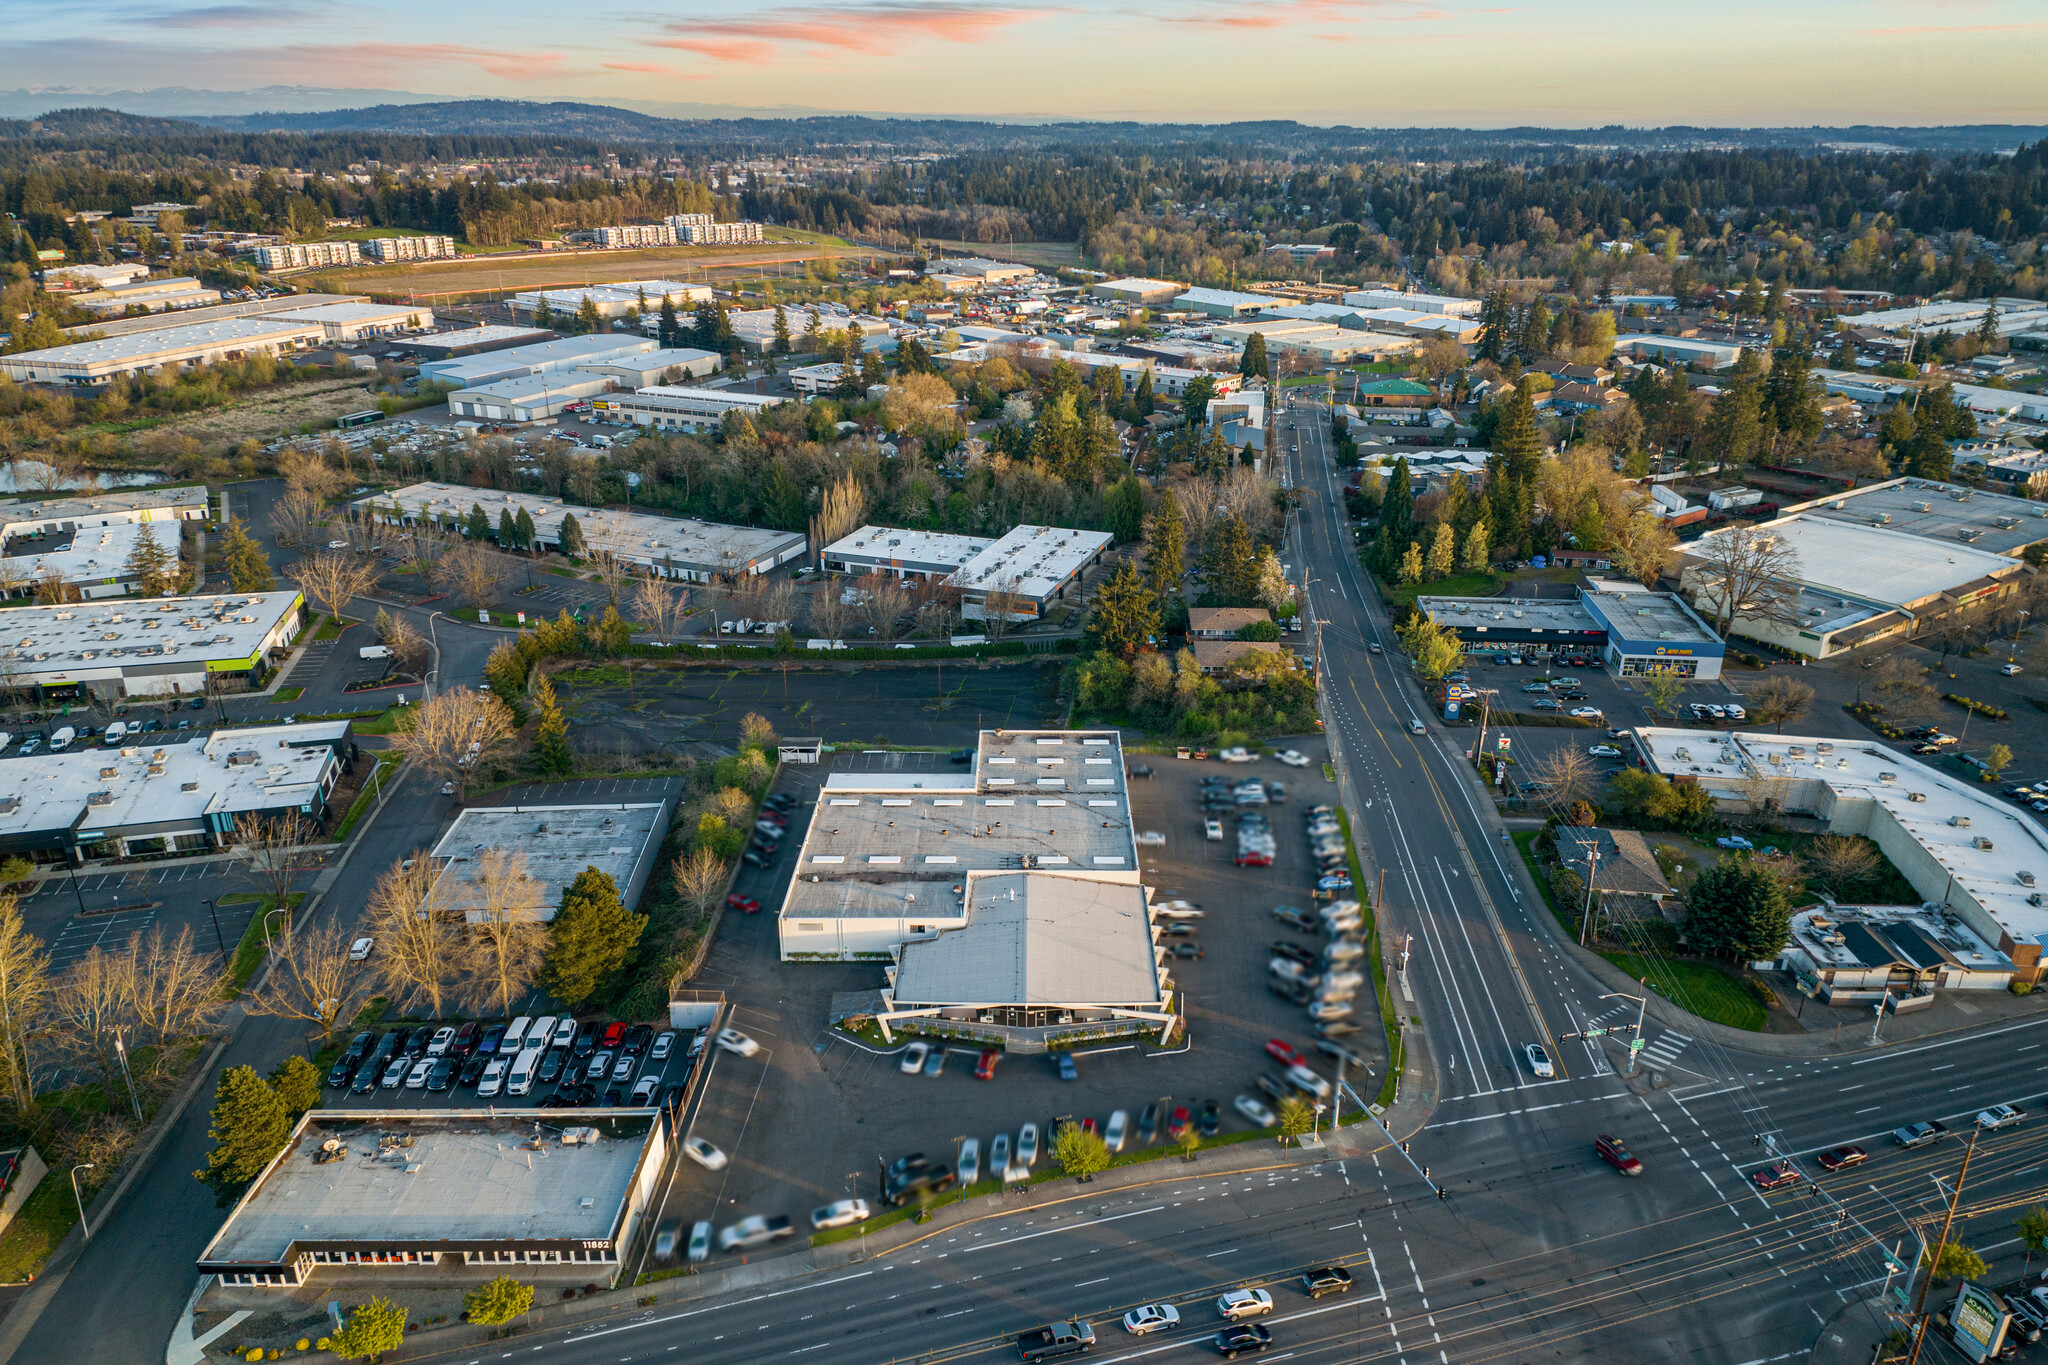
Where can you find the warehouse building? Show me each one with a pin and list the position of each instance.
(1029, 571)
(390, 249)
(1712, 355)
(351, 322)
(901, 553)
(667, 547)
(469, 341)
(529, 398)
(1967, 854)
(981, 268)
(1137, 292)
(54, 515)
(613, 300)
(663, 365)
(622, 841)
(562, 1195)
(1447, 305)
(754, 329)
(219, 312)
(1225, 303)
(679, 408)
(178, 796)
(79, 538)
(152, 647)
(95, 560)
(94, 276)
(157, 296)
(546, 357)
(307, 255)
(88, 364)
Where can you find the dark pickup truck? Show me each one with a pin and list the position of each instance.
(1055, 1340)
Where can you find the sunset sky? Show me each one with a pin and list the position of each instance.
(1372, 62)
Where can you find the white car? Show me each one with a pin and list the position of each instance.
(1118, 1127)
(1539, 1061)
(337, 545)
(732, 1040)
(1027, 1146)
(1251, 1108)
(840, 1213)
(1153, 1317)
(416, 1079)
(1604, 751)
(1586, 712)
(493, 1079)
(442, 1038)
(1238, 755)
(1301, 1078)
(913, 1058)
(1293, 758)
(1152, 838)
(1178, 910)
(1212, 830)
(664, 1043)
(703, 1153)
(700, 1242)
(2010, 670)
(1238, 1304)
(970, 1161)
(360, 950)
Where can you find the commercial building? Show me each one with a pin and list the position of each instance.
(58, 514)
(1944, 513)
(662, 365)
(1652, 632)
(1446, 304)
(546, 357)
(754, 329)
(529, 398)
(680, 408)
(1857, 955)
(1859, 582)
(219, 312)
(816, 379)
(180, 795)
(94, 276)
(667, 547)
(613, 300)
(1488, 626)
(348, 322)
(307, 255)
(88, 364)
(469, 341)
(423, 1191)
(1966, 853)
(903, 554)
(980, 268)
(95, 559)
(389, 249)
(1713, 355)
(1136, 291)
(1240, 418)
(157, 296)
(557, 843)
(1022, 575)
(151, 647)
(1224, 303)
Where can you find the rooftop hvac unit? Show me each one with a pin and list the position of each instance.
(1959, 821)
(1983, 845)
(2026, 878)
(1888, 779)
(1916, 796)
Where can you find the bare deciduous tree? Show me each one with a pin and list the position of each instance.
(1566, 774)
(698, 878)
(175, 989)
(474, 570)
(88, 1005)
(508, 937)
(457, 732)
(24, 998)
(420, 945)
(332, 579)
(1001, 603)
(884, 600)
(295, 515)
(604, 555)
(312, 978)
(1902, 688)
(828, 612)
(1746, 571)
(1779, 698)
(777, 600)
(657, 604)
(273, 852)
(839, 515)
(1843, 861)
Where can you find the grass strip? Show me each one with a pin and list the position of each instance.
(1397, 1054)
(360, 807)
(249, 952)
(287, 694)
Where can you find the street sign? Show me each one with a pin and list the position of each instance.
(1636, 1045)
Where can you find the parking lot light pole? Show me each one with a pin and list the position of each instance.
(222, 943)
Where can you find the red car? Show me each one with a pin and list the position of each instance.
(1284, 1053)
(736, 901)
(1090, 1127)
(1178, 1123)
(614, 1034)
(1253, 860)
(1616, 1154)
(1776, 1174)
(1840, 1158)
(985, 1069)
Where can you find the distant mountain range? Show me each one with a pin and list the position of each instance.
(712, 125)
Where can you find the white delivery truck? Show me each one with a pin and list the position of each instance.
(116, 733)
(61, 741)
(374, 652)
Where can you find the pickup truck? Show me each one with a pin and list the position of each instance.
(1055, 1340)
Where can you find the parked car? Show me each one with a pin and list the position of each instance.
(913, 1058)
(1258, 1114)
(756, 1231)
(985, 1065)
(1293, 758)
(1604, 751)
(840, 1213)
(1733, 841)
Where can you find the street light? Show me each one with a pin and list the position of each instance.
(284, 910)
(83, 1224)
(222, 943)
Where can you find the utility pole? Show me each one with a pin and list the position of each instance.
(1934, 1257)
(1592, 874)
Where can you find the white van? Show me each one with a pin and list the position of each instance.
(116, 733)
(515, 1036)
(520, 1079)
(540, 1035)
(61, 741)
(374, 652)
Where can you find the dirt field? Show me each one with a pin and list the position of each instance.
(1046, 255)
(496, 275)
(271, 415)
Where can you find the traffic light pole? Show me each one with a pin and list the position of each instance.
(1934, 1257)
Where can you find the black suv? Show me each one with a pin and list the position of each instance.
(1326, 1279)
(1240, 1337)
(637, 1039)
(916, 1181)
(586, 1038)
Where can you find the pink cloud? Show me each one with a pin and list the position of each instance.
(1279, 14)
(363, 58)
(869, 30)
(648, 67)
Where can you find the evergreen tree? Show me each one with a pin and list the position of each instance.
(782, 342)
(1143, 401)
(587, 319)
(1477, 551)
(1517, 441)
(1124, 509)
(153, 570)
(527, 532)
(589, 939)
(784, 499)
(1494, 319)
(477, 526)
(1126, 611)
(704, 334)
(1987, 330)
(543, 316)
(248, 567)
(249, 1127)
(871, 371)
(1166, 537)
(571, 535)
(1751, 304)
(1735, 425)
(1774, 298)
(1230, 563)
(670, 330)
(508, 530)
(1397, 503)
(814, 333)
(1411, 563)
(1790, 404)
(1442, 551)
(1253, 363)
(296, 1083)
(551, 741)
(1194, 402)
(1738, 910)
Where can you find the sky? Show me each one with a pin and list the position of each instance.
(1387, 63)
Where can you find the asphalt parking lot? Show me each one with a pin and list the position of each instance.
(673, 1070)
(807, 1119)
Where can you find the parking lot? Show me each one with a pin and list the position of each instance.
(810, 1118)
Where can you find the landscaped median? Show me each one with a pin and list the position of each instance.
(1397, 1054)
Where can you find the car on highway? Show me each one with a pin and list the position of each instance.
(839, 1213)
(1539, 1061)
(1258, 1114)
(1615, 1153)
(1241, 1337)
(1776, 1174)
(732, 1040)
(1325, 1279)
(1841, 1158)
(1293, 758)
(1919, 1134)
(1239, 1304)
(1152, 838)
(1999, 1116)
(1152, 1317)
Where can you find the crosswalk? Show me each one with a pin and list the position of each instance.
(1662, 1051)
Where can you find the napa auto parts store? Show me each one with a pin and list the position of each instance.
(1633, 632)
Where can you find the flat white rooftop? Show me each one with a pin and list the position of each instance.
(558, 841)
(1947, 513)
(97, 553)
(171, 342)
(1033, 940)
(1031, 561)
(123, 504)
(44, 640)
(1878, 563)
(346, 313)
(929, 551)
